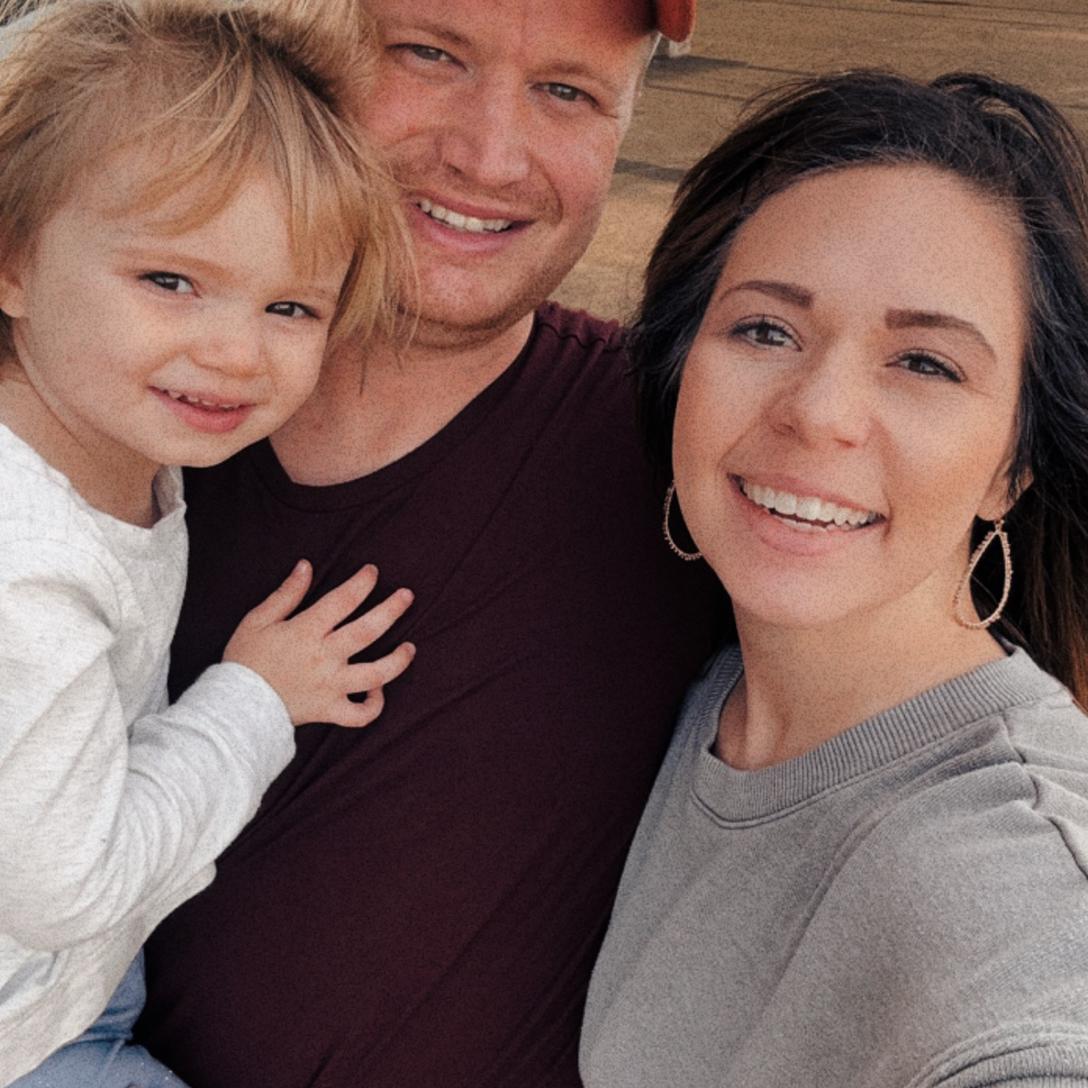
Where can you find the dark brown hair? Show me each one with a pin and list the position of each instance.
(1011, 146)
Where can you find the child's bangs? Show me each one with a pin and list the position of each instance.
(177, 105)
(238, 125)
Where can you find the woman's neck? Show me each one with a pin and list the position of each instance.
(802, 686)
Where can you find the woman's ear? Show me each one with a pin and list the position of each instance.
(1004, 493)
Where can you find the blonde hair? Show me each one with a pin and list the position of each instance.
(214, 91)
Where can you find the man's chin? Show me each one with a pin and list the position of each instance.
(452, 309)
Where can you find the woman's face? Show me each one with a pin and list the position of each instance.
(849, 403)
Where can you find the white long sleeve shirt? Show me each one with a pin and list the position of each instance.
(113, 805)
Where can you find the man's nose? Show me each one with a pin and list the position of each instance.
(489, 141)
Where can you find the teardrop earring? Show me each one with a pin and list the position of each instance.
(964, 588)
(677, 550)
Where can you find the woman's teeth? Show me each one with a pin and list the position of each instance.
(458, 221)
(807, 508)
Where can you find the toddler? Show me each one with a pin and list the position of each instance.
(185, 219)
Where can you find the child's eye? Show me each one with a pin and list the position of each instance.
(170, 281)
(764, 333)
(290, 309)
(929, 366)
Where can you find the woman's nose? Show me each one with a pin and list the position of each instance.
(828, 400)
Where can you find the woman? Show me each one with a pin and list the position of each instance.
(864, 340)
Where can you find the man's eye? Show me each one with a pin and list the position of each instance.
(566, 93)
(170, 281)
(764, 333)
(428, 53)
(289, 309)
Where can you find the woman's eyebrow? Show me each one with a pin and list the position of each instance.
(933, 319)
(786, 292)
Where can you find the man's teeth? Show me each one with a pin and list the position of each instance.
(458, 221)
(806, 507)
(201, 403)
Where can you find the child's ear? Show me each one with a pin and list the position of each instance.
(12, 295)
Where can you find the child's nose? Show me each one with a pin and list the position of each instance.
(230, 347)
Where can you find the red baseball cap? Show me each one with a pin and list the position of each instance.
(675, 18)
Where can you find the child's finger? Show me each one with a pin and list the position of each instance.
(356, 715)
(326, 612)
(371, 625)
(370, 675)
(282, 601)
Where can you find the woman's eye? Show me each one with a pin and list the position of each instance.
(170, 281)
(289, 309)
(929, 366)
(764, 334)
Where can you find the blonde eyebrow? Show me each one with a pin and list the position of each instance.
(166, 259)
(563, 69)
(438, 30)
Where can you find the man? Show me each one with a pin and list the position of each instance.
(419, 904)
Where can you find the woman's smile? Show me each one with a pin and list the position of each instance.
(805, 511)
(799, 523)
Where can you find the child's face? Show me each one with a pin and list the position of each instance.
(155, 347)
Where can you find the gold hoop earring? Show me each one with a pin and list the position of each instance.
(964, 588)
(676, 549)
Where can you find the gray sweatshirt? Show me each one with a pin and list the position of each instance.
(905, 905)
(112, 805)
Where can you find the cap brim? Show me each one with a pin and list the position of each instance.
(675, 18)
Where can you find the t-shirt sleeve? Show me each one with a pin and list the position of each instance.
(99, 820)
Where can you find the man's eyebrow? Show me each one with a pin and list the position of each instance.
(933, 319)
(436, 29)
(786, 292)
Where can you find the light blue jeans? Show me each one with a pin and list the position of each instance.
(103, 1056)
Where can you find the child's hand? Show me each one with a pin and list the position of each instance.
(306, 660)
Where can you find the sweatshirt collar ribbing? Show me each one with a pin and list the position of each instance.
(734, 795)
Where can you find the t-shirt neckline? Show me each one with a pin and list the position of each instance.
(405, 469)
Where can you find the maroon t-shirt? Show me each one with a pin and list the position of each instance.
(418, 904)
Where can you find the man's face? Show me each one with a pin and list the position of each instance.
(502, 120)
